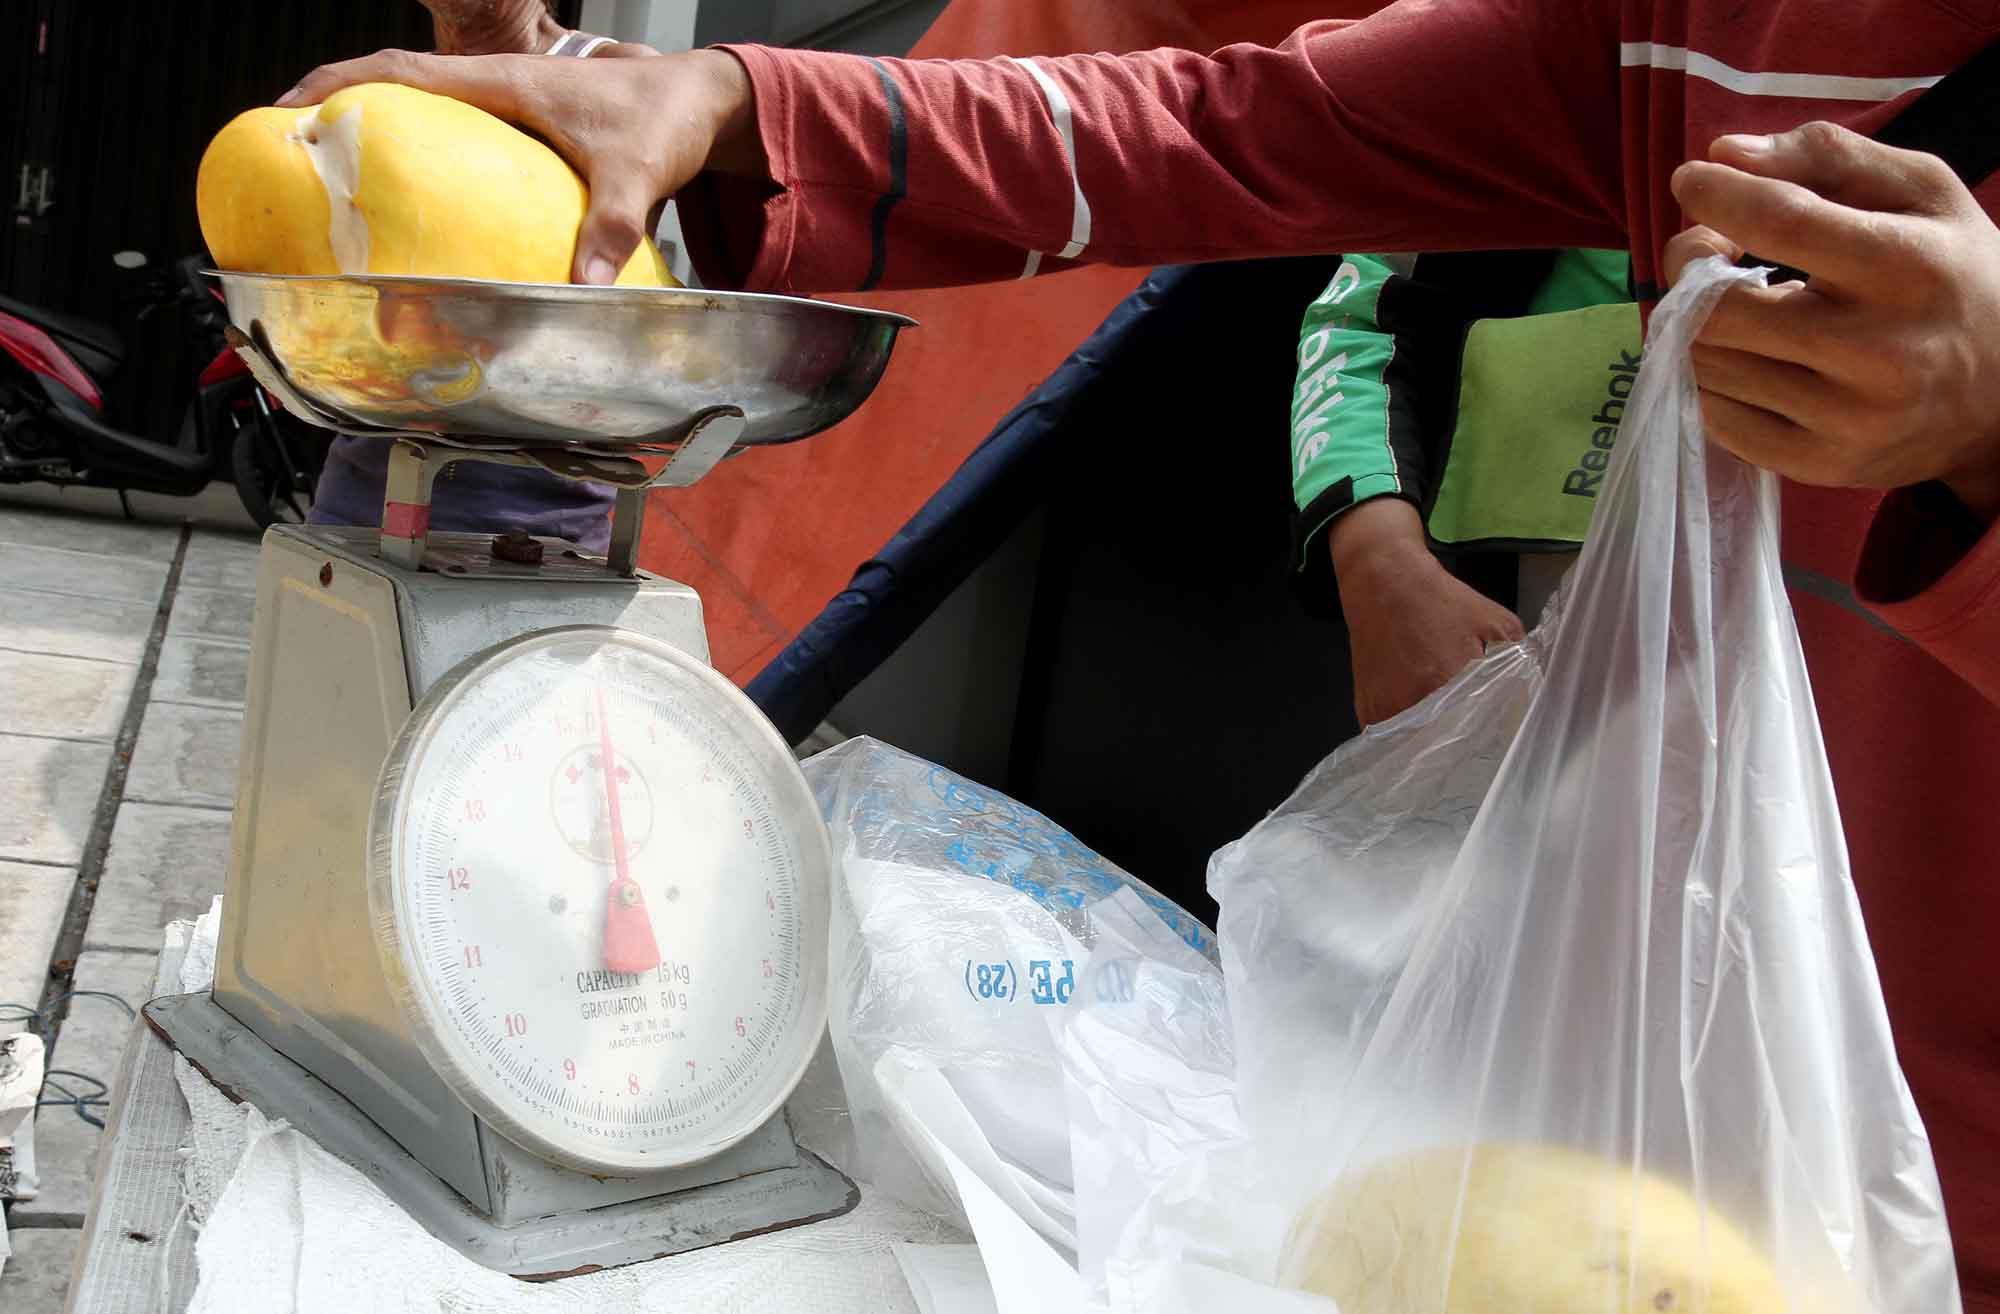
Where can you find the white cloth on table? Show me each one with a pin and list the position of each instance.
(286, 1228)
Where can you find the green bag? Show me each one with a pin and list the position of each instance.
(1539, 403)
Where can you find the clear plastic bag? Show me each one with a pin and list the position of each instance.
(962, 923)
(1553, 994)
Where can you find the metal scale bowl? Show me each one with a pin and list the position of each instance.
(526, 907)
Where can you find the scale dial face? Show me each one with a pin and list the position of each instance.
(600, 888)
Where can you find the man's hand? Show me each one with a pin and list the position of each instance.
(636, 129)
(1882, 371)
(1411, 626)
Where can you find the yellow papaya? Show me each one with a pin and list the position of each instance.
(1523, 1229)
(386, 179)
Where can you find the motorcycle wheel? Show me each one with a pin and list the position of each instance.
(272, 492)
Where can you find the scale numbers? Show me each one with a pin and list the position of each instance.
(603, 899)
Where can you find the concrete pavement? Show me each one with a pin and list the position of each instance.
(123, 652)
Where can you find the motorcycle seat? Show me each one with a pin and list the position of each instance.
(96, 348)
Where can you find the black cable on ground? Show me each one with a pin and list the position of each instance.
(42, 1023)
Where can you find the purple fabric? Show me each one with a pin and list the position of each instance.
(469, 497)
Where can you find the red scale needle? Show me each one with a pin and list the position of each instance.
(629, 943)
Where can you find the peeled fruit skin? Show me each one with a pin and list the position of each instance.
(1543, 1230)
(406, 182)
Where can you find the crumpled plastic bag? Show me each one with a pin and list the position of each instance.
(961, 924)
(1553, 993)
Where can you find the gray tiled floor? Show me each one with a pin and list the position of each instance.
(37, 1277)
(82, 596)
(216, 561)
(32, 902)
(166, 863)
(81, 574)
(215, 507)
(212, 614)
(186, 755)
(51, 787)
(63, 697)
(37, 526)
(206, 672)
(101, 628)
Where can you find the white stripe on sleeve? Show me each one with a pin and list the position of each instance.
(1804, 86)
(1059, 111)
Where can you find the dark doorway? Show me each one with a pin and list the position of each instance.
(105, 109)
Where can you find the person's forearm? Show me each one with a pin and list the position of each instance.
(896, 173)
(883, 173)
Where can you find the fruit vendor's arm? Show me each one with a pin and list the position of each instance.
(1430, 125)
(891, 173)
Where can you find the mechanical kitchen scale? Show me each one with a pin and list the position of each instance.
(526, 910)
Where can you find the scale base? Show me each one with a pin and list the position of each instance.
(561, 1245)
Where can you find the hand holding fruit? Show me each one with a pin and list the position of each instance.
(383, 179)
(636, 129)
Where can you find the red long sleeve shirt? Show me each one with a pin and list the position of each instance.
(1455, 124)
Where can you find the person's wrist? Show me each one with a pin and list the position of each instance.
(735, 145)
(1385, 534)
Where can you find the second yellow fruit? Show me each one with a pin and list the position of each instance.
(1524, 1229)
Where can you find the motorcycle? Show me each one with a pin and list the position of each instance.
(57, 376)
